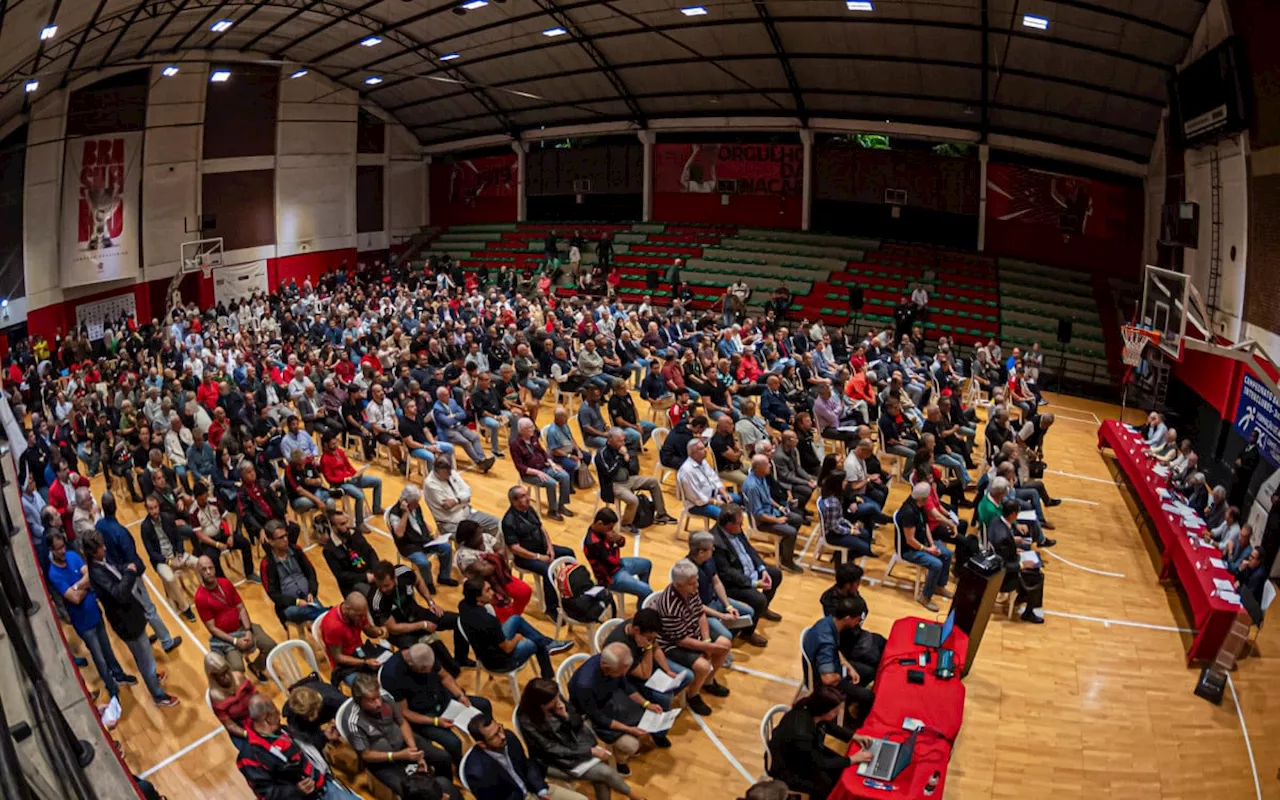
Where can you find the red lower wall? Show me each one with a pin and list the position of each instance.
(308, 265)
(56, 320)
(745, 210)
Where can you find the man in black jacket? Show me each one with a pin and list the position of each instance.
(166, 548)
(258, 503)
(676, 448)
(1023, 578)
(618, 470)
(349, 555)
(289, 578)
(124, 613)
(745, 576)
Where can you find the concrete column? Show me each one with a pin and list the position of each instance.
(646, 205)
(806, 198)
(984, 153)
(522, 203)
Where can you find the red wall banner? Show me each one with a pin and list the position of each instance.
(474, 190)
(776, 169)
(1064, 220)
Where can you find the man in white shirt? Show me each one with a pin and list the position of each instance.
(700, 485)
(449, 498)
(176, 441)
(381, 416)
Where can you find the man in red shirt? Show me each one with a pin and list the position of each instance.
(217, 428)
(342, 633)
(337, 470)
(207, 393)
(231, 632)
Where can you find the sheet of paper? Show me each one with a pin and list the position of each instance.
(596, 591)
(1219, 563)
(736, 623)
(1029, 558)
(384, 656)
(1163, 492)
(1223, 585)
(660, 681)
(582, 768)
(656, 723)
(1230, 597)
(1026, 516)
(439, 540)
(1162, 471)
(459, 714)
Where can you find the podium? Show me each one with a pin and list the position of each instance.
(975, 598)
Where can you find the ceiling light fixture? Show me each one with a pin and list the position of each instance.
(31, 86)
(474, 4)
(298, 74)
(694, 11)
(554, 32)
(449, 57)
(859, 5)
(372, 41)
(220, 76)
(1039, 23)
(373, 80)
(169, 71)
(48, 32)
(221, 26)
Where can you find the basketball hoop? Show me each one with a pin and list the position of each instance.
(206, 266)
(1135, 342)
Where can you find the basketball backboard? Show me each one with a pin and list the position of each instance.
(201, 255)
(1165, 300)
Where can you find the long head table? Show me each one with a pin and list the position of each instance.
(1185, 555)
(938, 703)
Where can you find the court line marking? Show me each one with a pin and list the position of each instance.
(1077, 410)
(164, 601)
(1078, 500)
(1081, 477)
(769, 676)
(1071, 563)
(724, 751)
(184, 751)
(1248, 745)
(137, 521)
(1057, 417)
(1107, 623)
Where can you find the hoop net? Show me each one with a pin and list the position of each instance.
(1135, 341)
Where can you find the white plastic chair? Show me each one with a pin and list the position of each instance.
(283, 663)
(566, 669)
(462, 771)
(806, 668)
(766, 728)
(512, 676)
(650, 601)
(897, 558)
(563, 620)
(315, 628)
(605, 631)
(659, 438)
(686, 517)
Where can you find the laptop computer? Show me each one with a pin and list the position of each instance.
(888, 759)
(931, 634)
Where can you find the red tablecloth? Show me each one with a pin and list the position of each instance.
(1184, 556)
(938, 703)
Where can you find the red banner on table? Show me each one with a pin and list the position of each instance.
(776, 169)
(1076, 206)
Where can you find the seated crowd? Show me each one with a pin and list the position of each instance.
(235, 429)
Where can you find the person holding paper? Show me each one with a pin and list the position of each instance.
(388, 745)
(498, 769)
(342, 636)
(686, 637)
(1022, 575)
(414, 539)
(601, 691)
(603, 547)
(640, 635)
(560, 740)
(429, 697)
(397, 603)
(722, 611)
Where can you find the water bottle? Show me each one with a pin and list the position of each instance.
(932, 785)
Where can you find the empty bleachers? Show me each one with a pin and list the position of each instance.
(1033, 297)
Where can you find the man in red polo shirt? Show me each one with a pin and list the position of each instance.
(342, 633)
(231, 632)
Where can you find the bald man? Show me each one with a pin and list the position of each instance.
(342, 633)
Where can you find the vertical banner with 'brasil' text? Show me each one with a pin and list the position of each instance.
(100, 208)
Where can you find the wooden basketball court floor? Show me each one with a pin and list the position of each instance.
(1095, 703)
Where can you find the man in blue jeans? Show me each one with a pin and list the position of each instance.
(502, 646)
(602, 547)
(289, 578)
(529, 543)
(69, 576)
(916, 545)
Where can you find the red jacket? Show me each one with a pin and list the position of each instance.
(59, 500)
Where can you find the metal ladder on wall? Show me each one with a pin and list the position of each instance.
(1215, 231)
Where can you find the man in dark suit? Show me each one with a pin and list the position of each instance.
(745, 576)
(1024, 579)
(114, 588)
(498, 769)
